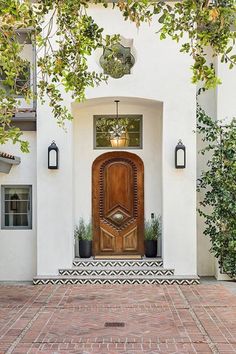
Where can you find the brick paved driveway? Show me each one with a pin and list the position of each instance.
(156, 319)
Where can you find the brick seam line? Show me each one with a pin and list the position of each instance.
(198, 323)
(20, 311)
(34, 318)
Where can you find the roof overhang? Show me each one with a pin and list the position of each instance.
(7, 161)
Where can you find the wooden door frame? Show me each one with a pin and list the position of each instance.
(96, 170)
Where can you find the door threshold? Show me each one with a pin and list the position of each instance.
(126, 256)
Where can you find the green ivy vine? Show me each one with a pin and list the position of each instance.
(218, 206)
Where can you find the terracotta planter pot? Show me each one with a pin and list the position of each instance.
(151, 248)
(85, 248)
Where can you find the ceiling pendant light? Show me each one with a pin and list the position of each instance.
(118, 134)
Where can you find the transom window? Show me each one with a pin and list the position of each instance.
(16, 207)
(124, 132)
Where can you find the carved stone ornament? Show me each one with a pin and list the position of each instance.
(117, 61)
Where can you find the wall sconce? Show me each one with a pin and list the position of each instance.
(53, 156)
(180, 155)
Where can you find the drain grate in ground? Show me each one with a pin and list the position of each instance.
(114, 324)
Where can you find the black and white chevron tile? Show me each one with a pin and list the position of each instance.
(93, 281)
(152, 262)
(116, 272)
(89, 271)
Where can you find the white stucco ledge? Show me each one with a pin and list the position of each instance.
(7, 161)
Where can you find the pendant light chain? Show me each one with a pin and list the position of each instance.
(117, 131)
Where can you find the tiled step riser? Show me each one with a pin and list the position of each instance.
(90, 271)
(115, 281)
(112, 272)
(121, 263)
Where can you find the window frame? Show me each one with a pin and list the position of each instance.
(3, 188)
(97, 116)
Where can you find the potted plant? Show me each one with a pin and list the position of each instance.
(83, 233)
(152, 230)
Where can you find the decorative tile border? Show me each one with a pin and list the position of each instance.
(119, 263)
(58, 281)
(116, 272)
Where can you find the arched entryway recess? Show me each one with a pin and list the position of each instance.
(118, 204)
(85, 153)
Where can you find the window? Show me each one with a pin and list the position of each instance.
(131, 132)
(16, 207)
(22, 82)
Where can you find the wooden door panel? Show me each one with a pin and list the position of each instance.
(118, 186)
(117, 198)
(107, 241)
(130, 241)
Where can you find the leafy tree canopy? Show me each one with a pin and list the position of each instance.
(203, 22)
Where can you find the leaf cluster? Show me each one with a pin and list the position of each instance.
(83, 231)
(152, 228)
(197, 24)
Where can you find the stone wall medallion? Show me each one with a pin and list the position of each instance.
(117, 61)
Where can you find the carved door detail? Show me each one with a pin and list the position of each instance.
(118, 204)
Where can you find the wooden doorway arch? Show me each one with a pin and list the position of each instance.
(118, 204)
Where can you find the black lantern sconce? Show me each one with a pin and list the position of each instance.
(53, 156)
(180, 155)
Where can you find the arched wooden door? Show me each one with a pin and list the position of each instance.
(118, 204)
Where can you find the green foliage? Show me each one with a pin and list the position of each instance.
(152, 228)
(203, 23)
(218, 206)
(200, 23)
(62, 62)
(83, 231)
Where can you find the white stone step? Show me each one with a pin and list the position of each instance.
(116, 271)
(86, 279)
(144, 262)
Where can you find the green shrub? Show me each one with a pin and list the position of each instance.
(83, 231)
(152, 228)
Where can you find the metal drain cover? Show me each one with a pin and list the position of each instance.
(114, 324)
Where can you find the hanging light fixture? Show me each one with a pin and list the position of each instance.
(118, 134)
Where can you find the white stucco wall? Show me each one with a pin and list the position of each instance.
(55, 196)
(162, 74)
(18, 247)
(205, 259)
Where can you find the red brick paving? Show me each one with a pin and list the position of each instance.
(158, 319)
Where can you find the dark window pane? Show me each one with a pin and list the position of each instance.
(17, 193)
(12, 220)
(103, 140)
(7, 220)
(15, 206)
(134, 139)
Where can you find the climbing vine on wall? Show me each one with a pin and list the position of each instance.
(64, 60)
(218, 206)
